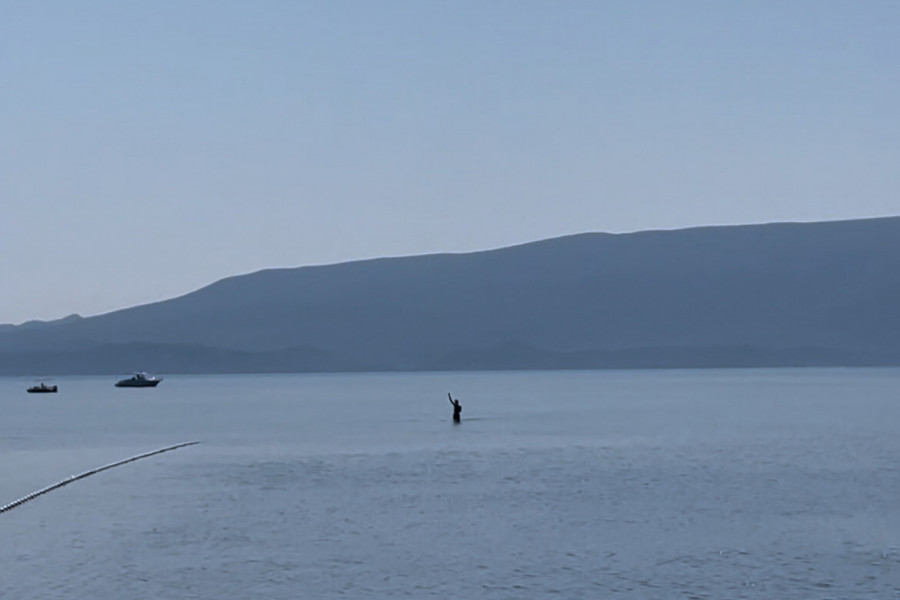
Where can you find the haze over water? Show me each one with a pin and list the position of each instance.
(593, 484)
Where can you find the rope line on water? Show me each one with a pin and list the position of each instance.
(60, 484)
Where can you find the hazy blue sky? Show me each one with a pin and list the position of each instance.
(150, 148)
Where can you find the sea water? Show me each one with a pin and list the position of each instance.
(591, 484)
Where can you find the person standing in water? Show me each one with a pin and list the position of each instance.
(457, 408)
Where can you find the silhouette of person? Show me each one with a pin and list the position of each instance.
(457, 408)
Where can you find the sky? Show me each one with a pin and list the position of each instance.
(148, 149)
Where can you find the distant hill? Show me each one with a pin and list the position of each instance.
(32, 324)
(781, 294)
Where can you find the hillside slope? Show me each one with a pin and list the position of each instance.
(790, 293)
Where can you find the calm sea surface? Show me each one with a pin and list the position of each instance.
(617, 484)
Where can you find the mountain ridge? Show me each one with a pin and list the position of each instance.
(794, 291)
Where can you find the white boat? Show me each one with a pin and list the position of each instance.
(139, 380)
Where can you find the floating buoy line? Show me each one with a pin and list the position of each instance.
(58, 485)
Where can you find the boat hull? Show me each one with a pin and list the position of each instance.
(138, 384)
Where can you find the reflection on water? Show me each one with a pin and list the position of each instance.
(648, 484)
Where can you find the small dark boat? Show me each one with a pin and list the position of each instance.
(42, 388)
(139, 380)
